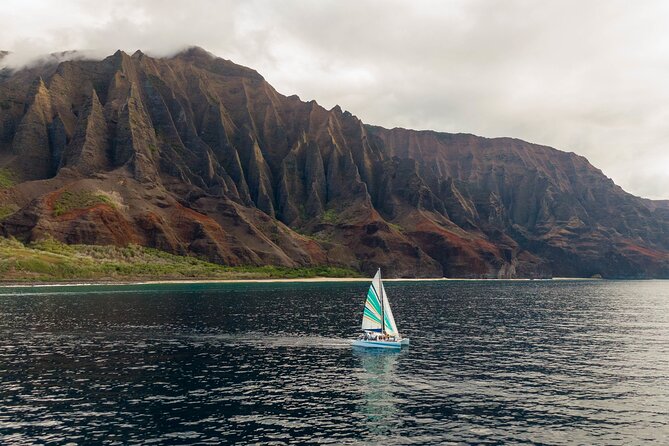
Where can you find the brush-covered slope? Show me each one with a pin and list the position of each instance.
(197, 155)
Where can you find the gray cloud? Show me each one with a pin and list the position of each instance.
(588, 77)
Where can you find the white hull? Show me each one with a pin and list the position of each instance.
(380, 344)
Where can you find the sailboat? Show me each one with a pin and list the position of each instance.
(379, 329)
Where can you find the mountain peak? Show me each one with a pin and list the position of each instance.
(204, 59)
(119, 53)
(195, 52)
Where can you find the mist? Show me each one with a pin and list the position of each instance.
(588, 77)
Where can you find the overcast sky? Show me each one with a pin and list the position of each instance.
(590, 77)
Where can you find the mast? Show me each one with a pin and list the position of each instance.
(383, 319)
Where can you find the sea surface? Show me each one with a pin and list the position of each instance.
(490, 362)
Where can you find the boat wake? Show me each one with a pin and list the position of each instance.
(280, 341)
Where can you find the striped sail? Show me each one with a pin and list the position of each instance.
(371, 317)
(391, 326)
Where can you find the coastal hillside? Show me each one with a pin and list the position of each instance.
(51, 261)
(195, 155)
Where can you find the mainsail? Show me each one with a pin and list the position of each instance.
(377, 315)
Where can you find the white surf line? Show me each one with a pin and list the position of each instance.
(304, 280)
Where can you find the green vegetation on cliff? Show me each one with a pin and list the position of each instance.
(6, 210)
(69, 201)
(6, 178)
(330, 216)
(52, 261)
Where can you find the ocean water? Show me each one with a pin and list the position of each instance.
(490, 362)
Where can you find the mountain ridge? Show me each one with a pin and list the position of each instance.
(198, 155)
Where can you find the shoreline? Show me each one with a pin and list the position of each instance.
(241, 281)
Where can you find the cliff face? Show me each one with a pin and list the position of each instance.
(197, 155)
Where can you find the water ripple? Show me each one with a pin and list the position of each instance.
(490, 362)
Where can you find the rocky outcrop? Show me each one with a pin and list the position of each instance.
(196, 155)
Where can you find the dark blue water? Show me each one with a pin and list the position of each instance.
(565, 362)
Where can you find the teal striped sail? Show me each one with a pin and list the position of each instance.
(391, 326)
(378, 307)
